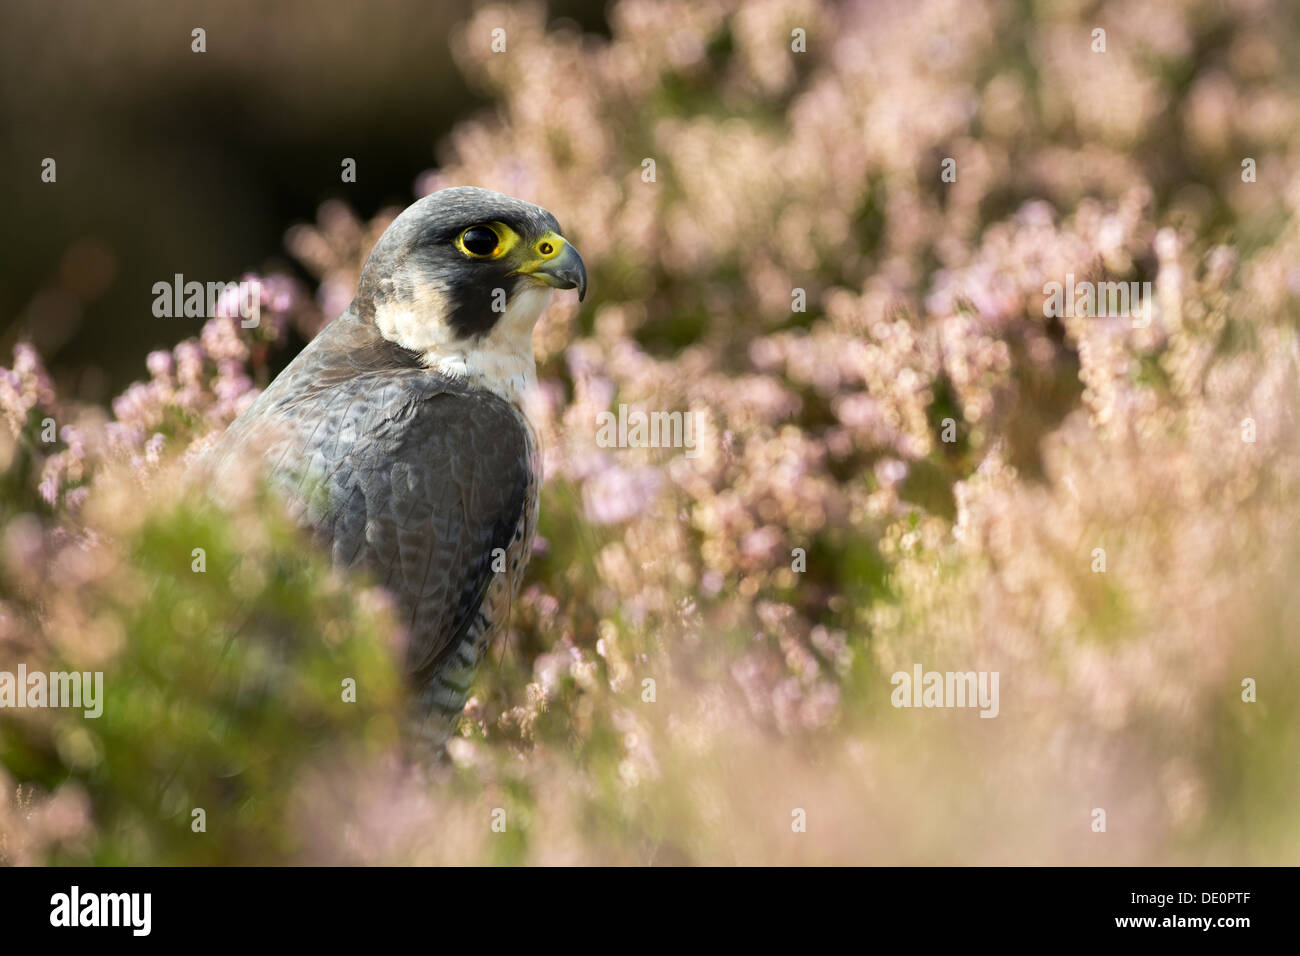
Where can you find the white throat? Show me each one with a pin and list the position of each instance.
(501, 361)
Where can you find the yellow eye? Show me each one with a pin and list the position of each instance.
(479, 242)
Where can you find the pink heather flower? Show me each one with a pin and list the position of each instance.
(618, 494)
(160, 364)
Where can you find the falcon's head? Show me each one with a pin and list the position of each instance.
(461, 277)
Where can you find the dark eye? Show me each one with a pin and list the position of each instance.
(479, 241)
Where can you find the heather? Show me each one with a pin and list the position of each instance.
(901, 460)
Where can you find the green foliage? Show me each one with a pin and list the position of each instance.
(228, 686)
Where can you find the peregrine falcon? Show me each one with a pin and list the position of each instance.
(398, 436)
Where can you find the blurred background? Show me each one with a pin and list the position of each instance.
(171, 161)
(904, 460)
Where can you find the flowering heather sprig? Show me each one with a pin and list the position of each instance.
(24, 388)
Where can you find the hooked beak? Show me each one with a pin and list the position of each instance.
(558, 266)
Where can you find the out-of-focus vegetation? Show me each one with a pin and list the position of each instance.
(176, 161)
(672, 689)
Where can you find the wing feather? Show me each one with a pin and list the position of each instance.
(413, 477)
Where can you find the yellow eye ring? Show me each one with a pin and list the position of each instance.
(480, 242)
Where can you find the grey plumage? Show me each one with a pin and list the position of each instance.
(413, 476)
(419, 475)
